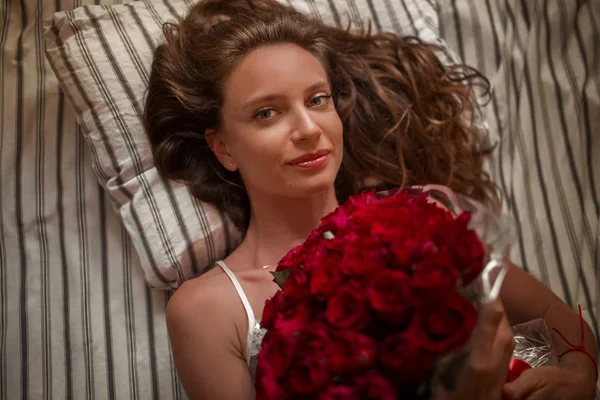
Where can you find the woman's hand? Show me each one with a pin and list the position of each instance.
(554, 383)
(485, 370)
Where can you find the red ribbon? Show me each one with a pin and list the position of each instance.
(516, 368)
(581, 346)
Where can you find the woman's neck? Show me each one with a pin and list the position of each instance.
(279, 224)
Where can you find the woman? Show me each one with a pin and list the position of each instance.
(273, 118)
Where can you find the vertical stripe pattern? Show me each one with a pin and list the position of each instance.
(106, 69)
(77, 319)
(86, 325)
(543, 60)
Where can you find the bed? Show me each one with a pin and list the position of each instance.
(78, 316)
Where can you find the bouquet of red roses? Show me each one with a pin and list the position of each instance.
(370, 302)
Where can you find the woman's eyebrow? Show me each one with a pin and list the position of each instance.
(260, 99)
(269, 97)
(318, 85)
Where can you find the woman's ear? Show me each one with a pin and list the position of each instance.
(217, 144)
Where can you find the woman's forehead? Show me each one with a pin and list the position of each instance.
(274, 70)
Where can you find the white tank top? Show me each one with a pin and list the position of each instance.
(255, 332)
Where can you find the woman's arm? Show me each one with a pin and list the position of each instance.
(203, 337)
(525, 299)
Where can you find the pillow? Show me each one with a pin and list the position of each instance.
(102, 56)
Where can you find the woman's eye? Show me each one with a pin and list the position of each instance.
(320, 100)
(265, 113)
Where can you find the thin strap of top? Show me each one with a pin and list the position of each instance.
(249, 312)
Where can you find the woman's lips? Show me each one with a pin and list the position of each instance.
(313, 161)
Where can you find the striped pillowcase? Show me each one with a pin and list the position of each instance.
(102, 55)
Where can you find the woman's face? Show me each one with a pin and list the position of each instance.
(280, 127)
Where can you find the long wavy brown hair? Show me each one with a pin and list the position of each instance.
(408, 119)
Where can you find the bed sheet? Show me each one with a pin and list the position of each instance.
(543, 62)
(76, 318)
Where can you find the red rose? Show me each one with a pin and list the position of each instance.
(363, 220)
(375, 386)
(409, 247)
(324, 251)
(391, 296)
(315, 339)
(306, 314)
(293, 259)
(295, 318)
(335, 221)
(313, 258)
(360, 201)
(297, 284)
(403, 356)
(347, 308)
(370, 303)
(315, 237)
(469, 252)
(396, 213)
(362, 255)
(267, 386)
(340, 392)
(326, 279)
(312, 345)
(278, 349)
(350, 352)
(279, 343)
(402, 212)
(435, 272)
(307, 375)
(382, 230)
(448, 322)
(312, 243)
(337, 244)
(273, 306)
(435, 221)
(435, 216)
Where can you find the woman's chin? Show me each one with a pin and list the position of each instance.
(317, 189)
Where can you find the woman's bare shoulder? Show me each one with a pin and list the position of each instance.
(201, 294)
(206, 303)
(203, 320)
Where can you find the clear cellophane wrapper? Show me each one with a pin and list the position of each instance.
(534, 344)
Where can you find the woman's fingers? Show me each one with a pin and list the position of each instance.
(506, 341)
(485, 335)
(491, 349)
(486, 366)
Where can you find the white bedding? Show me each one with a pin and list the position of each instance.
(77, 320)
(543, 60)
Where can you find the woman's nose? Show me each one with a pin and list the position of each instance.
(306, 127)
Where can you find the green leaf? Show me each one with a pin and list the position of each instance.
(281, 276)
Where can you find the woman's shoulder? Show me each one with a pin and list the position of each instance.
(201, 294)
(206, 302)
(204, 320)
